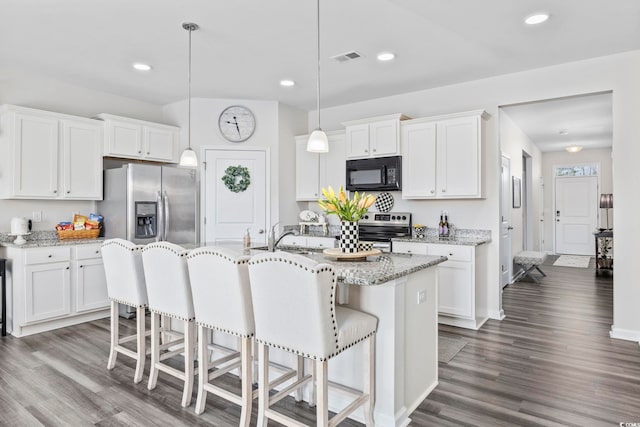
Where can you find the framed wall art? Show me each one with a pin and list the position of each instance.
(517, 192)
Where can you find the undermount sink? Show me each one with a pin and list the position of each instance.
(299, 251)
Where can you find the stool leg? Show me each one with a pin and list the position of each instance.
(322, 390)
(369, 379)
(263, 384)
(299, 376)
(141, 350)
(247, 376)
(203, 368)
(189, 341)
(155, 350)
(312, 390)
(113, 354)
(540, 271)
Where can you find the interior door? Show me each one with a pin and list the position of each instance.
(576, 213)
(228, 214)
(506, 265)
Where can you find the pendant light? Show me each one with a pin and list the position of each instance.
(318, 142)
(188, 157)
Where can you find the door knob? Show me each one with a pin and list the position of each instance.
(261, 231)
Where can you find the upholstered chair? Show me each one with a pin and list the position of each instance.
(169, 290)
(126, 285)
(294, 310)
(222, 302)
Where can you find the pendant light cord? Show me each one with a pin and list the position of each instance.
(318, 79)
(189, 101)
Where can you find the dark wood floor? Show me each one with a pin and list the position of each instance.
(550, 362)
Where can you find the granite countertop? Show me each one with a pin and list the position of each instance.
(462, 236)
(375, 270)
(40, 239)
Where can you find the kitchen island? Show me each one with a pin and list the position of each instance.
(401, 291)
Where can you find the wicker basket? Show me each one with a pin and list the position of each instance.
(78, 234)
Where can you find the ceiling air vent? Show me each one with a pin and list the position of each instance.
(348, 56)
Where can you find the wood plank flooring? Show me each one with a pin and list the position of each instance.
(550, 362)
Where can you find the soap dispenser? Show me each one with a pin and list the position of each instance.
(247, 239)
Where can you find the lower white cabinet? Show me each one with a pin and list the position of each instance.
(462, 284)
(54, 287)
(309, 241)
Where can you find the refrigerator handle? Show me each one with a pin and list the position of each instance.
(160, 223)
(166, 214)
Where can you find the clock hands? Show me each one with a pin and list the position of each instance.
(234, 122)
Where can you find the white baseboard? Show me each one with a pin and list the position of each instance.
(496, 314)
(624, 334)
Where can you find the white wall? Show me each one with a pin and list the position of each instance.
(551, 159)
(617, 73)
(30, 90)
(512, 143)
(275, 127)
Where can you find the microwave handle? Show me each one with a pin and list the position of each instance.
(384, 175)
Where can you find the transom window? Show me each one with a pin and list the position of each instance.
(577, 170)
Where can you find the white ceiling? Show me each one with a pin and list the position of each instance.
(244, 47)
(587, 119)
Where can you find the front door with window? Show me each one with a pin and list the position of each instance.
(576, 214)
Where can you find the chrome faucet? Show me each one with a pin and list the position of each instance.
(272, 241)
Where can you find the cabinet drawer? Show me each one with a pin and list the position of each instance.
(453, 252)
(321, 242)
(409, 248)
(293, 241)
(46, 255)
(88, 251)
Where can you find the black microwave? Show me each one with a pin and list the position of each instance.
(375, 174)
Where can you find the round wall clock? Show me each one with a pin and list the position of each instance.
(237, 123)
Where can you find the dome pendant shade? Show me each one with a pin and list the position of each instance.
(318, 142)
(189, 158)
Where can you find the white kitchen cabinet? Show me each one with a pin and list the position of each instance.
(47, 155)
(373, 137)
(443, 156)
(462, 283)
(308, 241)
(56, 286)
(90, 280)
(317, 170)
(47, 291)
(137, 139)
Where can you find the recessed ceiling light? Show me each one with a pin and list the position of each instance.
(141, 67)
(538, 18)
(563, 132)
(287, 83)
(573, 148)
(386, 56)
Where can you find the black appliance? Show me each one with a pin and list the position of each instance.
(380, 228)
(376, 174)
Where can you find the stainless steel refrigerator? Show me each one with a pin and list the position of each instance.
(147, 203)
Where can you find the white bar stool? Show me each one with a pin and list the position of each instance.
(222, 302)
(126, 285)
(167, 277)
(294, 309)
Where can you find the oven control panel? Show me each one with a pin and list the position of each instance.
(389, 218)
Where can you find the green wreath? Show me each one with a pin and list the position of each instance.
(230, 178)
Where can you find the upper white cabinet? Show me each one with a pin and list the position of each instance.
(137, 139)
(317, 170)
(443, 156)
(373, 137)
(47, 155)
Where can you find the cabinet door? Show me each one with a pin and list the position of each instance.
(455, 289)
(409, 248)
(307, 172)
(82, 160)
(418, 161)
(383, 138)
(91, 285)
(160, 144)
(357, 141)
(459, 158)
(47, 291)
(36, 157)
(123, 139)
(332, 164)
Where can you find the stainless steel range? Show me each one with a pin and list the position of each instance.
(380, 228)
